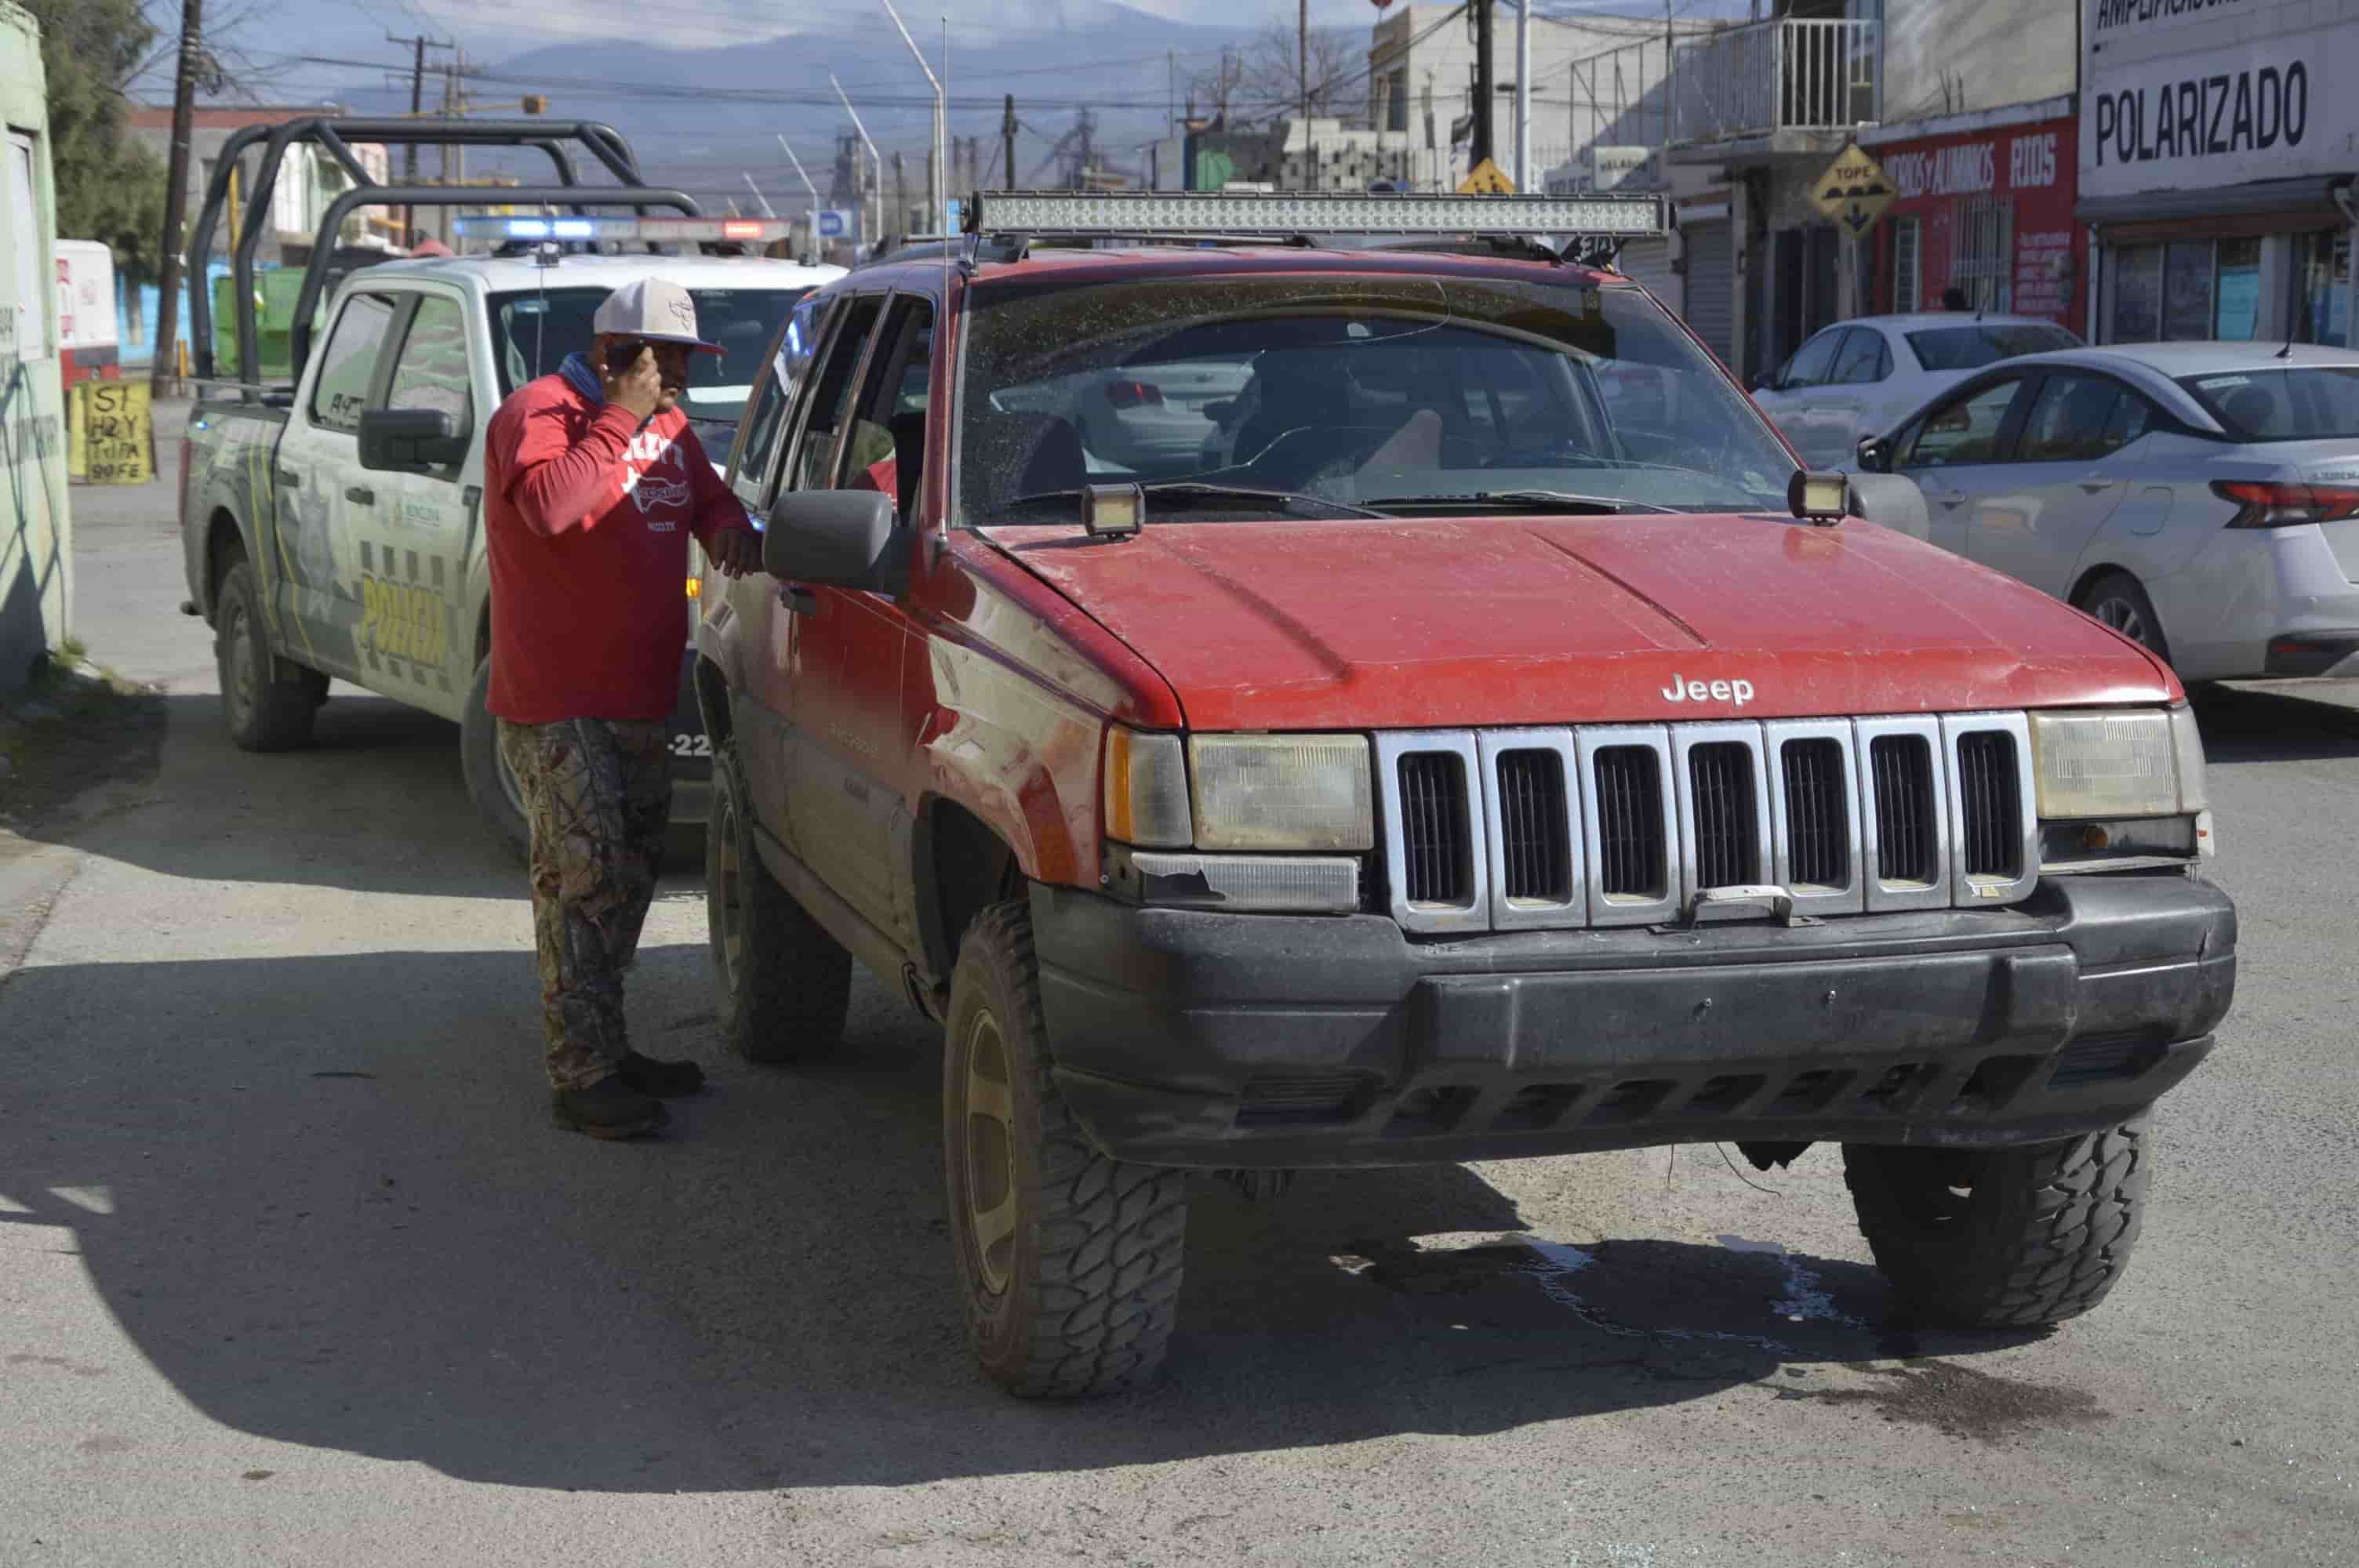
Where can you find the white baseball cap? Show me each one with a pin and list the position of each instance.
(655, 308)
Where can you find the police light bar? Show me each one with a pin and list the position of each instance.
(1181, 214)
(684, 230)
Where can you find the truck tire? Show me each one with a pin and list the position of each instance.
(782, 984)
(2007, 1237)
(499, 799)
(265, 711)
(2115, 598)
(1067, 1262)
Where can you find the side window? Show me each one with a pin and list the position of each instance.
(434, 371)
(2132, 417)
(348, 362)
(830, 399)
(887, 448)
(1966, 430)
(1864, 359)
(1811, 365)
(2069, 419)
(796, 348)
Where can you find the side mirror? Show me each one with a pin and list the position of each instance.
(834, 538)
(1874, 454)
(410, 441)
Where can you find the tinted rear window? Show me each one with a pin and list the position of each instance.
(2302, 403)
(1976, 344)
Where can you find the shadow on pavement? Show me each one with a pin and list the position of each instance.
(361, 1234)
(2244, 726)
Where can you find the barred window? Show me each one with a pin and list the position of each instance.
(1984, 266)
(1908, 272)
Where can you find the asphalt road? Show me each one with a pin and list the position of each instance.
(293, 1271)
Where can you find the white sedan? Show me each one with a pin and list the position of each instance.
(2202, 497)
(1858, 377)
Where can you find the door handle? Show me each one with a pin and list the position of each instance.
(2096, 486)
(288, 479)
(360, 495)
(1953, 499)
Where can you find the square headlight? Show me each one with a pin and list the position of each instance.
(1282, 791)
(2113, 763)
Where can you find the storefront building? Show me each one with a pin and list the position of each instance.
(2218, 143)
(1984, 205)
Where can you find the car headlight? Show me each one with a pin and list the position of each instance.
(2142, 762)
(2120, 786)
(1282, 791)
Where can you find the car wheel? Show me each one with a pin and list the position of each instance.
(2116, 600)
(267, 710)
(782, 983)
(2007, 1238)
(1067, 1262)
(492, 785)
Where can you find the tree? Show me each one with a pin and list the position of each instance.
(1262, 84)
(110, 188)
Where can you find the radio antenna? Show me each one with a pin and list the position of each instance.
(950, 240)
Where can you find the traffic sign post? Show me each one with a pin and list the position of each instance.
(1854, 192)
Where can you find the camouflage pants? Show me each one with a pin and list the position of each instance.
(598, 794)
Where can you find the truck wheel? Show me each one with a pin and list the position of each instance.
(2116, 600)
(783, 984)
(265, 713)
(2003, 1238)
(498, 797)
(1067, 1262)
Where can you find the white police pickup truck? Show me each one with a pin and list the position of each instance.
(313, 561)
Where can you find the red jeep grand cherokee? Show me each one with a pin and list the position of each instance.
(1282, 706)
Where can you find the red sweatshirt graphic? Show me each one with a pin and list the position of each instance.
(587, 517)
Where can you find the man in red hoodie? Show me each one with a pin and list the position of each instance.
(593, 484)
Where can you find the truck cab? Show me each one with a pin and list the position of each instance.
(1467, 733)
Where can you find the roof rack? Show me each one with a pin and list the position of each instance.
(336, 134)
(1556, 226)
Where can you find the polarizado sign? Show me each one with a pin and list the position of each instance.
(2274, 108)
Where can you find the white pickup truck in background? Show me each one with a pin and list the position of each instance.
(312, 565)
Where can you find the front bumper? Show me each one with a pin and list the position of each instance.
(1204, 1039)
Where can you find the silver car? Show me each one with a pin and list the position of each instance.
(1856, 377)
(2203, 498)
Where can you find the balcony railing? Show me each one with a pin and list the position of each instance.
(1775, 76)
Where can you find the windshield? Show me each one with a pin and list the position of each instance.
(533, 331)
(1409, 395)
(2303, 402)
(1985, 343)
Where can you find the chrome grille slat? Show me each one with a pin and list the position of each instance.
(1622, 825)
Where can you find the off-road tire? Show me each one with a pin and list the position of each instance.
(268, 702)
(2117, 599)
(1078, 1293)
(499, 800)
(2037, 1235)
(781, 984)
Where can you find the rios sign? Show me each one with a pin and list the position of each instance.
(2264, 109)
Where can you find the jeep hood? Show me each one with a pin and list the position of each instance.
(1383, 624)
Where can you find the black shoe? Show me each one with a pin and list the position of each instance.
(607, 1108)
(665, 1080)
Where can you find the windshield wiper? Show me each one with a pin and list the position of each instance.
(1533, 499)
(1198, 490)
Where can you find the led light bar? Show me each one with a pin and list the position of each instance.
(1182, 213)
(681, 230)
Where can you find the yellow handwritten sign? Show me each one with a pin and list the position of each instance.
(1487, 178)
(114, 437)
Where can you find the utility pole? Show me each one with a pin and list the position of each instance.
(900, 196)
(1007, 139)
(176, 202)
(1524, 96)
(1302, 65)
(419, 45)
(1487, 89)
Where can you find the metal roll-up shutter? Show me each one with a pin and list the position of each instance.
(1711, 284)
(1648, 263)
